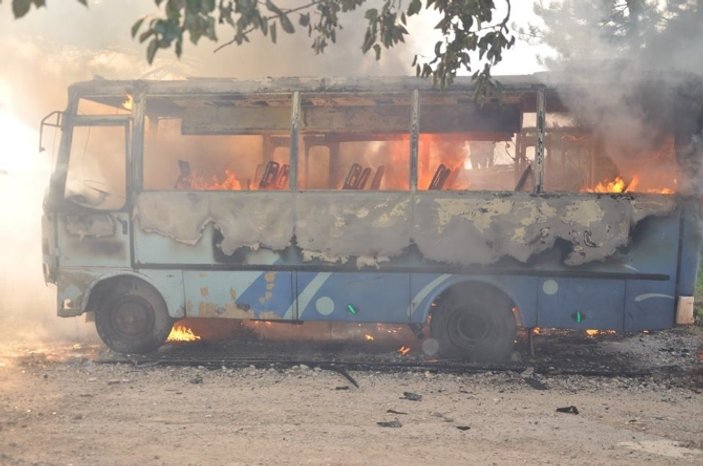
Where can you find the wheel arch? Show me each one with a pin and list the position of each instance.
(425, 306)
(99, 287)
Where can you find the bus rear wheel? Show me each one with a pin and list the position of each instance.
(132, 318)
(474, 321)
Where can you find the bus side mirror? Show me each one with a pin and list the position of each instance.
(56, 123)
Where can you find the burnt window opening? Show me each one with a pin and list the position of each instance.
(106, 105)
(582, 159)
(354, 142)
(97, 167)
(218, 144)
(467, 147)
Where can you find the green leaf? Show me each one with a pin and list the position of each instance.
(304, 20)
(210, 31)
(286, 24)
(136, 26)
(146, 34)
(377, 49)
(179, 47)
(414, 7)
(371, 14)
(20, 7)
(151, 50)
(273, 32)
(273, 8)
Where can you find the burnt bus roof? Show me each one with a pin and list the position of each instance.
(517, 90)
(531, 82)
(100, 86)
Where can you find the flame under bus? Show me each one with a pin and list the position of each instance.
(364, 200)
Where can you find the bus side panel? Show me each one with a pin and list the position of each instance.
(690, 247)
(581, 303)
(239, 295)
(650, 305)
(94, 239)
(353, 296)
(426, 287)
(153, 248)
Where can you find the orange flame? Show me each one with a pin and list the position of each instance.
(368, 337)
(128, 102)
(619, 185)
(404, 350)
(591, 332)
(181, 333)
(230, 183)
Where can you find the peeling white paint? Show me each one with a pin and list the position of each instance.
(251, 219)
(373, 227)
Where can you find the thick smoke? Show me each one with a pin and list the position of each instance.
(53, 47)
(624, 67)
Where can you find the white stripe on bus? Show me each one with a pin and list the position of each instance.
(426, 291)
(641, 297)
(306, 296)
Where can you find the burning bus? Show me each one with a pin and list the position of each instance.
(371, 200)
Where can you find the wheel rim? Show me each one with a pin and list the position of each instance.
(132, 318)
(468, 329)
(472, 328)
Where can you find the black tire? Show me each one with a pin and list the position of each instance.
(474, 321)
(132, 318)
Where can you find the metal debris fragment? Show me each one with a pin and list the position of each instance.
(411, 396)
(568, 409)
(393, 424)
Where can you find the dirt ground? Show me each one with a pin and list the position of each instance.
(62, 404)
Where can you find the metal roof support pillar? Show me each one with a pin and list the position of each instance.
(539, 146)
(414, 138)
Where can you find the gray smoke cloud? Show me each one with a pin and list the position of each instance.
(53, 47)
(624, 68)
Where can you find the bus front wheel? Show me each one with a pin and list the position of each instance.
(132, 318)
(474, 321)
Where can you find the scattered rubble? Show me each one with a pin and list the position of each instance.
(269, 410)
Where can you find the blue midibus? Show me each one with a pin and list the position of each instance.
(380, 200)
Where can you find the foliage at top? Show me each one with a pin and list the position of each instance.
(472, 39)
(647, 31)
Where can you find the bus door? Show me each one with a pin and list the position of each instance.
(92, 213)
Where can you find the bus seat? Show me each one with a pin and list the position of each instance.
(269, 177)
(184, 179)
(377, 178)
(439, 178)
(352, 179)
(283, 176)
(363, 178)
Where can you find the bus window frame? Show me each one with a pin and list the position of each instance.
(140, 101)
(78, 121)
(295, 140)
(139, 118)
